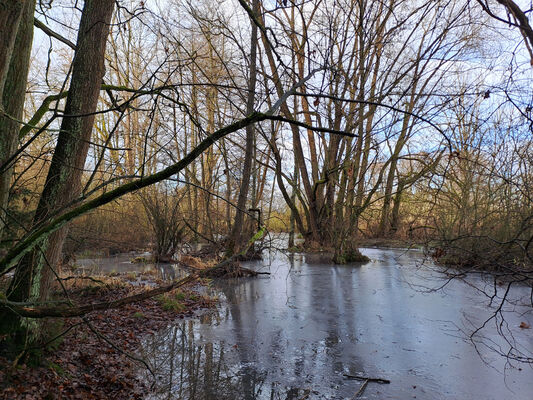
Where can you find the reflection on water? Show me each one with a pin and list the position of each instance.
(189, 369)
(122, 263)
(294, 334)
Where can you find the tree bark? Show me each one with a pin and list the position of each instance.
(13, 101)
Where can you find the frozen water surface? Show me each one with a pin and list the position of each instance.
(295, 333)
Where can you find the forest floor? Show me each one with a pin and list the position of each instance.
(91, 361)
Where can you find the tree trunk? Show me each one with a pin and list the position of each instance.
(293, 200)
(395, 214)
(237, 229)
(13, 101)
(34, 273)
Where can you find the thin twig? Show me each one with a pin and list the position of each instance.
(361, 389)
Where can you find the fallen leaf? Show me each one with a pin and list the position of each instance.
(524, 325)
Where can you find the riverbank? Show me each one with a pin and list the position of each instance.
(94, 358)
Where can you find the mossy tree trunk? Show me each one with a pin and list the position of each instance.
(34, 273)
(13, 101)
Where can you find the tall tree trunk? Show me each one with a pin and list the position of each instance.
(227, 172)
(13, 101)
(237, 229)
(34, 273)
(293, 200)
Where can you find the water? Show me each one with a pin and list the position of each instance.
(293, 334)
(123, 263)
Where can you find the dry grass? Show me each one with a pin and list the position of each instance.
(196, 263)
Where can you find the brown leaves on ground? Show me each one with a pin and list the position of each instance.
(87, 367)
(524, 325)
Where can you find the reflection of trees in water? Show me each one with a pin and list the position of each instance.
(276, 358)
(170, 272)
(187, 369)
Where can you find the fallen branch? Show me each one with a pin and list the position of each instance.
(76, 311)
(366, 378)
(68, 278)
(361, 389)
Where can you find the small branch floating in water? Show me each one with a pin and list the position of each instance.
(361, 389)
(366, 378)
